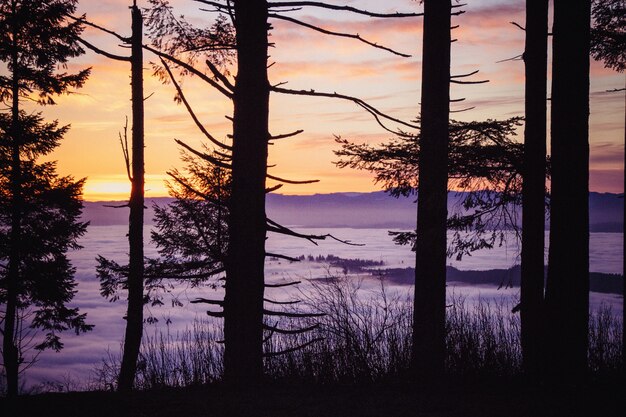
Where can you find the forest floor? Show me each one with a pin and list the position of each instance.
(498, 398)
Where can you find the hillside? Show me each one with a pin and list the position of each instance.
(357, 210)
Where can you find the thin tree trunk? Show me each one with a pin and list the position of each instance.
(430, 264)
(9, 348)
(243, 325)
(567, 291)
(533, 211)
(134, 316)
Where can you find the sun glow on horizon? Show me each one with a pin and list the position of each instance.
(117, 187)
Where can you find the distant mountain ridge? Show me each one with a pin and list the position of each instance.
(357, 210)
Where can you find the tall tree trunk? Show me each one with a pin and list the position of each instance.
(243, 309)
(9, 347)
(430, 264)
(624, 252)
(567, 291)
(533, 211)
(134, 316)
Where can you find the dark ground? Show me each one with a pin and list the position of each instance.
(502, 399)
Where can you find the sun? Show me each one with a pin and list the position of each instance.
(117, 187)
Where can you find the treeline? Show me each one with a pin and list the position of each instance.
(215, 230)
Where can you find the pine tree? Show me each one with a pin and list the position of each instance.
(567, 286)
(39, 210)
(429, 314)
(533, 214)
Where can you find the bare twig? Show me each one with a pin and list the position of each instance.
(220, 76)
(191, 69)
(207, 301)
(277, 255)
(203, 155)
(103, 52)
(286, 284)
(272, 177)
(377, 114)
(323, 5)
(286, 135)
(190, 110)
(518, 25)
(293, 349)
(339, 34)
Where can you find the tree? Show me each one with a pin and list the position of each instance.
(485, 162)
(429, 312)
(191, 235)
(191, 232)
(608, 44)
(534, 185)
(247, 160)
(567, 288)
(39, 209)
(135, 169)
(608, 36)
(134, 315)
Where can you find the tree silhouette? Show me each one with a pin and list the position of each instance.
(135, 169)
(567, 288)
(534, 185)
(429, 311)
(608, 36)
(39, 210)
(484, 161)
(608, 44)
(134, 315)
(247, 159)
(191, 232)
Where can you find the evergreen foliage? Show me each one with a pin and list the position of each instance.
(608, 34)
(191, 235)
(484, 160)
(39, 210)
(51, 206)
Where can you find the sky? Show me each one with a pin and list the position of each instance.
(309, 60)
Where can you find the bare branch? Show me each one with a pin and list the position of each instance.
(194, 191)
(274, 188)
(469, 82)
(286, 351)
(469, 74)
(339, 34)
(203, 155)
(272, 177)
(295, 4)
(218, 314)
(83, 20)
(287, 284)
(219, 6)
(277, 255)
(275, 329)
(515, 58)
(377, 114)
(292, 315)
(124, 145)
(103, 52)
(286, 135)
(462, 110)
(190, 110)
(281, 302)
(191, 69)
(207, 301)
(518, 25)
(220, 76)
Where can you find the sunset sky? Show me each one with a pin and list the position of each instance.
(310, 60)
